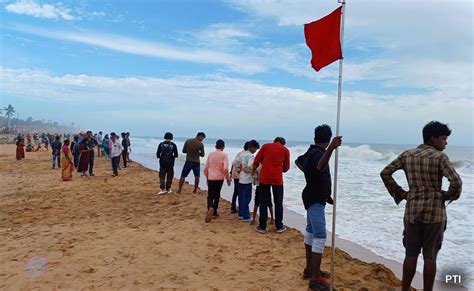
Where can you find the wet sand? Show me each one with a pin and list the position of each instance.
(116, 233)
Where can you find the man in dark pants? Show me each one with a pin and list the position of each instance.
(56, 151)
(92, 143)
(235, 175)
(275, 160)
(125, 149)
(425, 210)
(115, 153)
(167, 152)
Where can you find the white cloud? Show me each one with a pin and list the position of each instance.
(96, 14)
(239, 107)
(32, 8)
(423, 27)
(222, 35)
(151, 49)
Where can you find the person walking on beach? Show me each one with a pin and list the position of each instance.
(129, 146)
(67, 164)
(216, 171)
(56, 147)
(193, 148)
(84, 157)
(20, 149)
(92, 143)
(99, 139)
(116, 150)
(235, 170)
(245, 162)
(256, 200)
(76, 151)
(275, 160)
(425, 211)
(125, 149)
(167, 152)
(315, 165)
(105, 146)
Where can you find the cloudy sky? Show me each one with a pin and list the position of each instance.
(238, 68)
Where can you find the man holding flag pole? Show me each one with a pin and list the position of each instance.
(325, 39)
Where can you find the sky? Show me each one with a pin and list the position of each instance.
(239, 68)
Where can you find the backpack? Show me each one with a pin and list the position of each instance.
(167, 155)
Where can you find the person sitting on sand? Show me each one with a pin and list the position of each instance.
(425, 210)
(67, 163)
(245, 162)
(167, 152)
(315, 165)
(116, 149)
(84, 157)
(193, 148)
(235, 170)
(275, 160)
(256, 201)
(216, 170)
(20, 149)
(29, 147)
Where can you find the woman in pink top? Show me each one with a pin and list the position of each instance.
(216, 170)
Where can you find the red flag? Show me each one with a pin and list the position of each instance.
(323, 37)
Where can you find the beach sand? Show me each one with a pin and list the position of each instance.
(116, 233)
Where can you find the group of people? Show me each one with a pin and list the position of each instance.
(80, 152)
(265, 171)
(424, 166)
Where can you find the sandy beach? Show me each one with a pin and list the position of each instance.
(116, 233)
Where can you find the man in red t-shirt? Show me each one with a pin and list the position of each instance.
(275, 160)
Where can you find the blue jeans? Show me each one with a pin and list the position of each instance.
(316, 227)
(245, 195)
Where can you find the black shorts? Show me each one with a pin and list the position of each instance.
(256, 201)
(426, 236)
(190, 165)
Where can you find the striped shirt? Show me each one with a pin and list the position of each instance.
(424, 169)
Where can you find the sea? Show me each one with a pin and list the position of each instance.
(366, 214)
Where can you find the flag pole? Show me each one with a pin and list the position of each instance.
(336, 157)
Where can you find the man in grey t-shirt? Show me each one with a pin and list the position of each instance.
(194, 149)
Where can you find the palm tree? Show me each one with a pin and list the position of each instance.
(9, 111)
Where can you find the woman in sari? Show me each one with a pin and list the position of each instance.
(20, 149)
(84, 158)
(67, 165)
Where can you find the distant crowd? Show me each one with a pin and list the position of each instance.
(79, 152)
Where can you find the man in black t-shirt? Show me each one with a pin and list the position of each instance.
(314, 164)
(167, 152)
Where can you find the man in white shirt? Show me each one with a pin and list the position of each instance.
(116, 149)
(245, 180)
